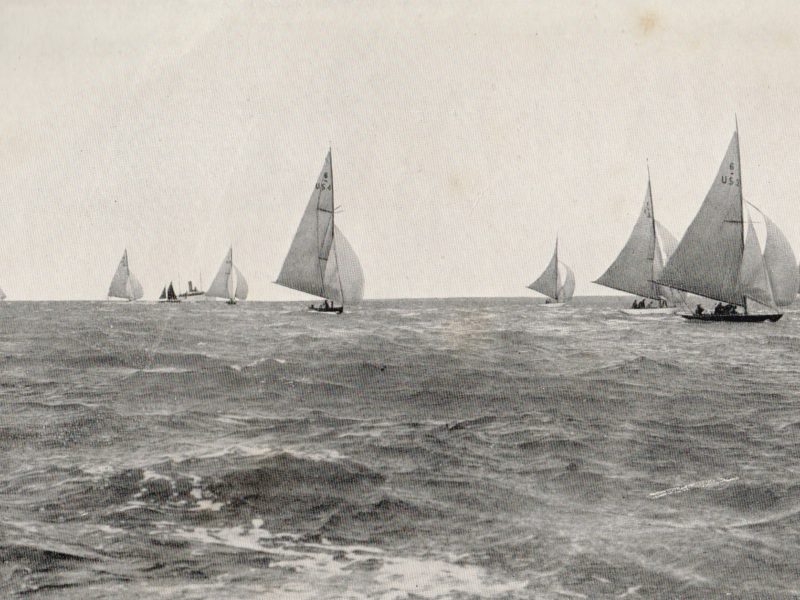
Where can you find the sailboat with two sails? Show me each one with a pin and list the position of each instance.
(557, 282)
(321, 261)
(124, 284)
(720, 256)
(229, 283)
(641, 260)
(168, 294)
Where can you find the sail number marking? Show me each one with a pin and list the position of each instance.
(730, 179)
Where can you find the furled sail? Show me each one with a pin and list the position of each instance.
(229, 282)
(124, 284)
(708, 259)
(320, 261)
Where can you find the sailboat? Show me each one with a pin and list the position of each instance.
(557, 282)
(2, 295)
(124, 284)
(320, 261)
(229, 282)
(168, 294)
(720, 255)
(641, 260)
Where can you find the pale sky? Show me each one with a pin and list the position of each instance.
(465, 135)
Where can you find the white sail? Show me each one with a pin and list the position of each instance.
(219, 285)
(781, 265)
(548, 283)
(229, 282)
(137, 292)
(635, 268)
(707, 260)
(124, 284)
(567, 289)
(665, 247)
(753, 279)
(304, 266)
(344, 279)
(320, 261)
(241, 285)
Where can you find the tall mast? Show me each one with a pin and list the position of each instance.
(741, 192)
(655, 239)
(556, 286)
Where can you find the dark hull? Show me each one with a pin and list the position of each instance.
(734, 318)
(338, 310)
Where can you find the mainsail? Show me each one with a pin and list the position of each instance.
(229, 282)
(557, 281)
(171, 292)
(320, 261)
(642, 258)
(720, 256)
(124, 284)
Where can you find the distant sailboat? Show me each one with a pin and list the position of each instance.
(168, 294)
(320, 261)
(641, 260)
(557, 282)
(720, 256)
(229, 282)
(124, 284)
(2, 295)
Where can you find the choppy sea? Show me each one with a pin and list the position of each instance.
(448, 449)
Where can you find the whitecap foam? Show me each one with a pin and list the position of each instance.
(364, 572)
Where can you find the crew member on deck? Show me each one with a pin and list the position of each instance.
(699, 310)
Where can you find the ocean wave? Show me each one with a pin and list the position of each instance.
(330, 570)
(641, 365)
